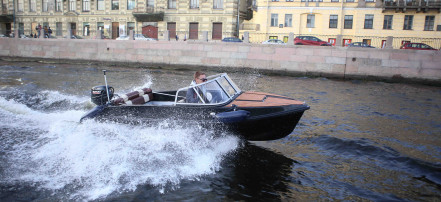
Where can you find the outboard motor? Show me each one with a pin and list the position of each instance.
(98, 95)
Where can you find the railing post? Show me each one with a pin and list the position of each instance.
(167, 35)
(205, 36)
(131, 35)
(69, 34)
(339, 40)
(41, 33)
(291, 39)
(99, 34)
(246, 37)
(16, 34)
(389, 42)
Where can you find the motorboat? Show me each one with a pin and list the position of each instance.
(220, 105)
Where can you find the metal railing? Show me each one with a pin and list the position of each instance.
(255, 38)
(413, 3)
(148, 9)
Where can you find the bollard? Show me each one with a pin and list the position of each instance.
(246, 37)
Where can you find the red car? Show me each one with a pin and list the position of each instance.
(416, 46)
(310, 40)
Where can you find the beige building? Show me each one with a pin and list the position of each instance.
(371, 21)
(188, 19)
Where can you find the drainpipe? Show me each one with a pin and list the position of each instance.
(238, 14)
(13, 16)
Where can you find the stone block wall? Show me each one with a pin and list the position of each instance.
(302, 60)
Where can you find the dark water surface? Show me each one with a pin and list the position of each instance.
(359, 141)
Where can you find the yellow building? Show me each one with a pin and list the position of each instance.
(371, 21)
(116, 17)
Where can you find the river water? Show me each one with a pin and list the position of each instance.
(361, 140)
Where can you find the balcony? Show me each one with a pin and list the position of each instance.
(418, 5)
(5, 15)
(148, 14)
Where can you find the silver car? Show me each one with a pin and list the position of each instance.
(274, 41)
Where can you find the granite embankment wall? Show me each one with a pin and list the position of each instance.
(301, 60)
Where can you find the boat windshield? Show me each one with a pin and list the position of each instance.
(216, 90)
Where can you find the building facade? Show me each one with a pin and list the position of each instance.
(370, 21)
(116, 17)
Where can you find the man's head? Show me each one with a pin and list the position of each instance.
(199, 77)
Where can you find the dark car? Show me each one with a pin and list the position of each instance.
(360, 44)
(231, 39)
(417, 46)
(310, 40)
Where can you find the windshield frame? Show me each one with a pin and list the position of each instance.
(211, 79)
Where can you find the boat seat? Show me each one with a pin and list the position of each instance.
(138, 97)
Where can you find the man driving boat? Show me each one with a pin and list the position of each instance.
(192, 96)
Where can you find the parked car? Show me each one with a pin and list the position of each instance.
(137, 37)
(231, 39)
(274, 41)
(417, 46)
(310, 40)
(74, 37)
(122, 38)
(360, 44)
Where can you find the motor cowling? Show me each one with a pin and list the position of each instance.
(98, 94)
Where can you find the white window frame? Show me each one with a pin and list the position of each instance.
(72, 5)
(100, 5)
(32, 5)
(218, 4)
(310, 21)
(44, 5)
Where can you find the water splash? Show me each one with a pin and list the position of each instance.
(52, 151)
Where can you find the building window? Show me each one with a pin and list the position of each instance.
(218, 4)
(59, 5)
(275, 0)
(59, 28)
(44, 5)
(100, 5)
(333, 21)
(130, 4)
(86, 5)
(332, 41)
(346, 42)
(369, 0)
(288, 20)
(115, 4)
(348, 21)
(32, 5)
(367, 41)
(171, 4)
(369, 21)
(194, 3)
(130, 26)
(349, 0)
(388, 22)
(20, 29)
(289, 0)
(20, 6)
(150, 3)
(428, 25)
(310, 21)
(72, 5)
(408, 21)
(194, 31)
(334, 0)
(86, 29)
(274, 20)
